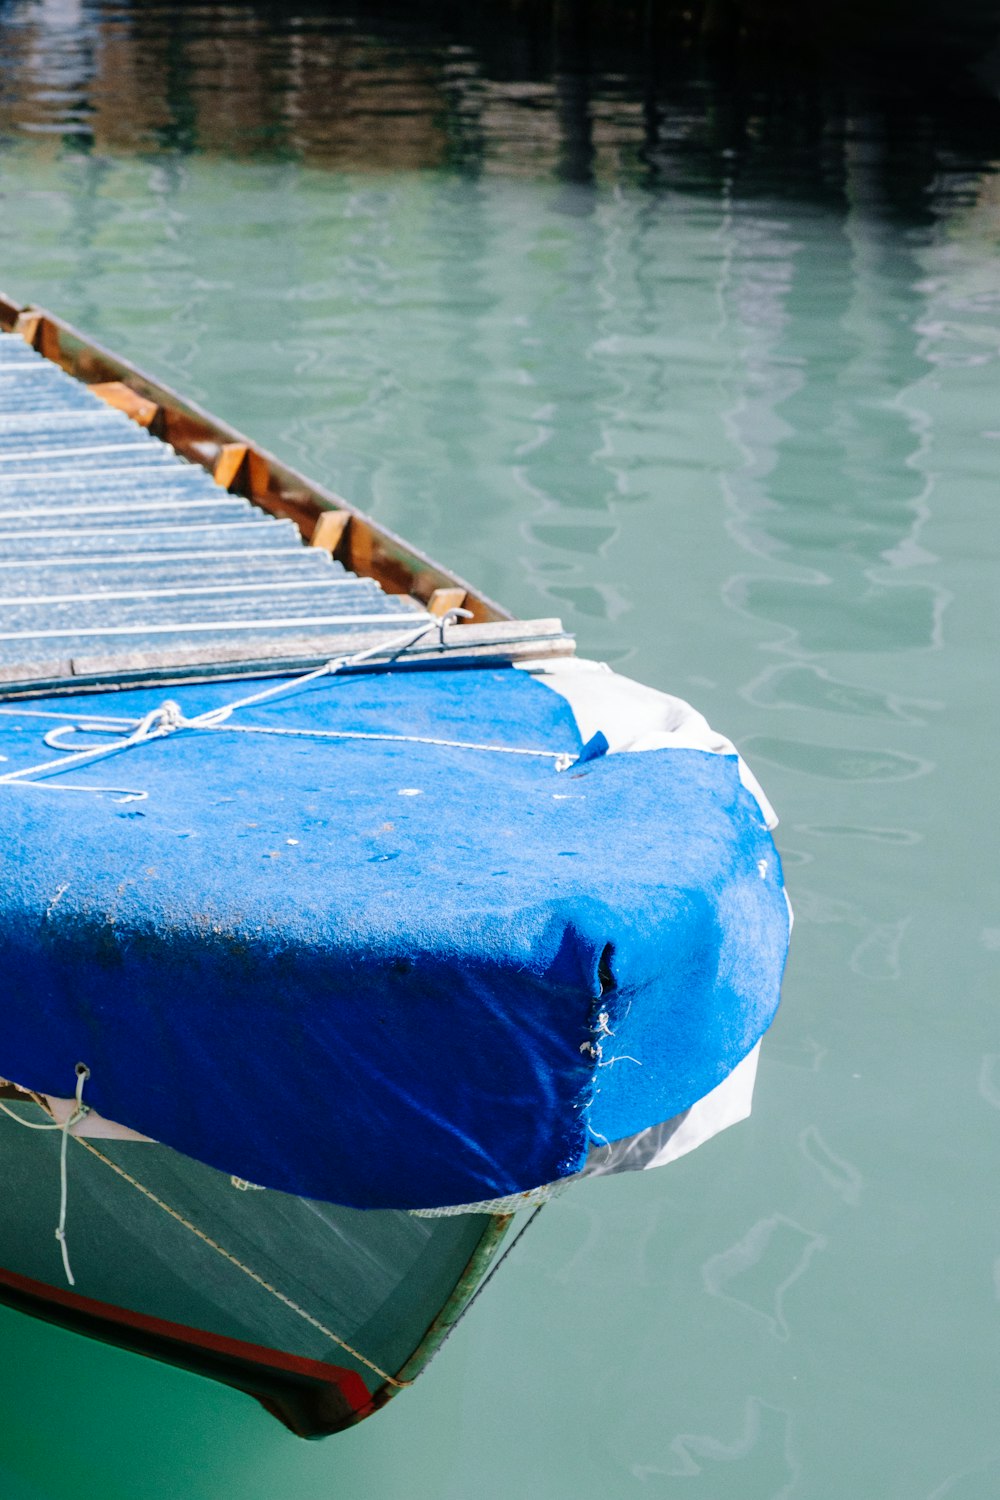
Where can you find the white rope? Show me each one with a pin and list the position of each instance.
(214, 717)
(240, 1266)
(82, 1074)
(75, 1115)
(29, 1124)
(406, 739)
(168, 718)
(153, 726)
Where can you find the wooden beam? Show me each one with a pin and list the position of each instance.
(506, 640)
(27, 326)
(259, 472)
(229, 463)
(361, 547)
(441, 600)
(123, 398)
(329, 529)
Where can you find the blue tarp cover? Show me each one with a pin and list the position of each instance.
(371, 971)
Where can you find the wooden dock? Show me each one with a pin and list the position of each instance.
(140, 539)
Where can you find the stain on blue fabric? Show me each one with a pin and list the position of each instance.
(371, 971)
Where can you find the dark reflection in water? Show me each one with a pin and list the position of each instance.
(749, 97)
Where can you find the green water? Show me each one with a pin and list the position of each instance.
(704, 358)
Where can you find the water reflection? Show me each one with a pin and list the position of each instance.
(806, 685)
(766, 1438)
(759, 1270)
(585, 93)
(842, 1176)
(834, 763)
(978, 1482)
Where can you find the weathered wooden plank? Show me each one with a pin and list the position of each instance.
(123, 398)
(500, 638)
(442, 600)
(329, 530)
(513, 640)
(229, 463)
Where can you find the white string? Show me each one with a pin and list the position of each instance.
(407, 739)
(152, 726)
(30, 1124)
(54, 737)
(168, 718)
(75, 1115)
(82, 1074)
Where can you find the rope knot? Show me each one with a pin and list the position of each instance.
(159, 721)
(169, 716)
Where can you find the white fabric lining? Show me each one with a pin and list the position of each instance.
(634, 717)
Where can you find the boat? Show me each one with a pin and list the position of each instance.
(346, 919)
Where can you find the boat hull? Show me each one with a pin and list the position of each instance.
(321, 1313)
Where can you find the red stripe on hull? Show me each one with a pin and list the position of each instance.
(348, 1382)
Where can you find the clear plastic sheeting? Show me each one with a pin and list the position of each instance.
(633, 717)
(727, 1104)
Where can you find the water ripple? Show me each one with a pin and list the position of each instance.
(832, 763)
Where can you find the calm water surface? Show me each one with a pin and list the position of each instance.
(705, 361)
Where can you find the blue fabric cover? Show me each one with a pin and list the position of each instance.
(280, 965)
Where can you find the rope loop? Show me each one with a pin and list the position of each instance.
(76, 1114)
(168, 718)
(82, 1074)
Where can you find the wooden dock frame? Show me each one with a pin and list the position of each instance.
(243, 468)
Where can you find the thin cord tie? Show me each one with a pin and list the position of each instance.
(82, 1074)
(154, 725)
(75, 1115)
(169, 717)
(243, 1268)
